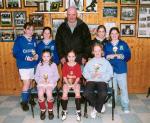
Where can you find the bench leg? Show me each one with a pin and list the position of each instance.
(148, 93)
(113, 104)
(32, 103)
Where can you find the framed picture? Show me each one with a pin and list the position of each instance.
(93, 28)
(77, 3)
(42, 6)
(55, 24)
(37, 19)
(108, 26)
(18, 32)
(1, 4)
(13, 4)
(144, 21)
(145, 2)
(6, 35)
(38, 34)
(91, 5)
(110, 1)
(128, 13)
(127, 29)
(110, 12)
(54, 7)
(19, 18)
(30, 3)
(128, 1)
(5, 18)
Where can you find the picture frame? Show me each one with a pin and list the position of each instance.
(144, 22)
(128, 13)
(144, 2)
(30, 3)
(110, 11)
(93, 29)
(1, 4)
(110, 1)
(18, 32)
(91, 5)
(6, 35)
(5, 19)
(13, 4)
(19, 18)
(127, 29)
(79, 4)
(42, 6)
(56, 22)
(37, 19)
(108, 26)
(54, 7)
(125, 2)
(38, 34)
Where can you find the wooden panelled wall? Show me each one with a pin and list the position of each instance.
(138, 66)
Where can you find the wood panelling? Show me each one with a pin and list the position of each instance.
(138, 66)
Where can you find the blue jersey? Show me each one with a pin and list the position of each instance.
(52, 47)
(22, 49)
(119, 65)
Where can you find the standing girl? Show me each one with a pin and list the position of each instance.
(48, 43)
(26, 58)
(97, 72)
(71, 73)
(46, 77)
(118, 53)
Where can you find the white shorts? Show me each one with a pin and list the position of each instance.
(26, 74)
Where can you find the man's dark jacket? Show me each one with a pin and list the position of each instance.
(79, 40)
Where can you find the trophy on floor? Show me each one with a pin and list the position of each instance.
(45, 77)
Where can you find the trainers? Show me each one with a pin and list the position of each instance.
(64, 115)
(126, 111)
(24, 106)
(78, 115)
(43, 115)
(93, 113)
(103, 109)
(50, 115)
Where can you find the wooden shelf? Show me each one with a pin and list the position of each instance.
(63, 12)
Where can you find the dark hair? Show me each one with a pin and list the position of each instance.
(28, 25)
(71, 51)
(101, 26)
(113, 28)
(47, 28)
(46, 51)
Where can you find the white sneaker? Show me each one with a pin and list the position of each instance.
(126, 111)
(64, 115)
(93, 113)
(103, 109)
(78, 115)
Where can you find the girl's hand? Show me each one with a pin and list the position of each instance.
(111, 56)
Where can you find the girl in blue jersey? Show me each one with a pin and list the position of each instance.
(24, 50)
(118, 53)
(48, 43)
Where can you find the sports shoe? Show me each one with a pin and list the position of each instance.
(78, 115)
(126, 111)
(43, 115)
(24, 106)
(50, 115)
(64, 115)
(103, 109)
(93, 113)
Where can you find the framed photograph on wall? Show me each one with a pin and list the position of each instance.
(5, 18)
(108, 26)
(128, 13)
(91, 5)
(30, 3)
(79, 4)
(128, 1)
(145, 2)
(127, 29)
(13, 4)
(37, 19)
(56, 22)
(54, 7)
(144, 21)
(18, 32)
(93, 28)
(110, 1)
(38, 34)
(6, 35)
(110, 12)
(19, 18)
(1, 4)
